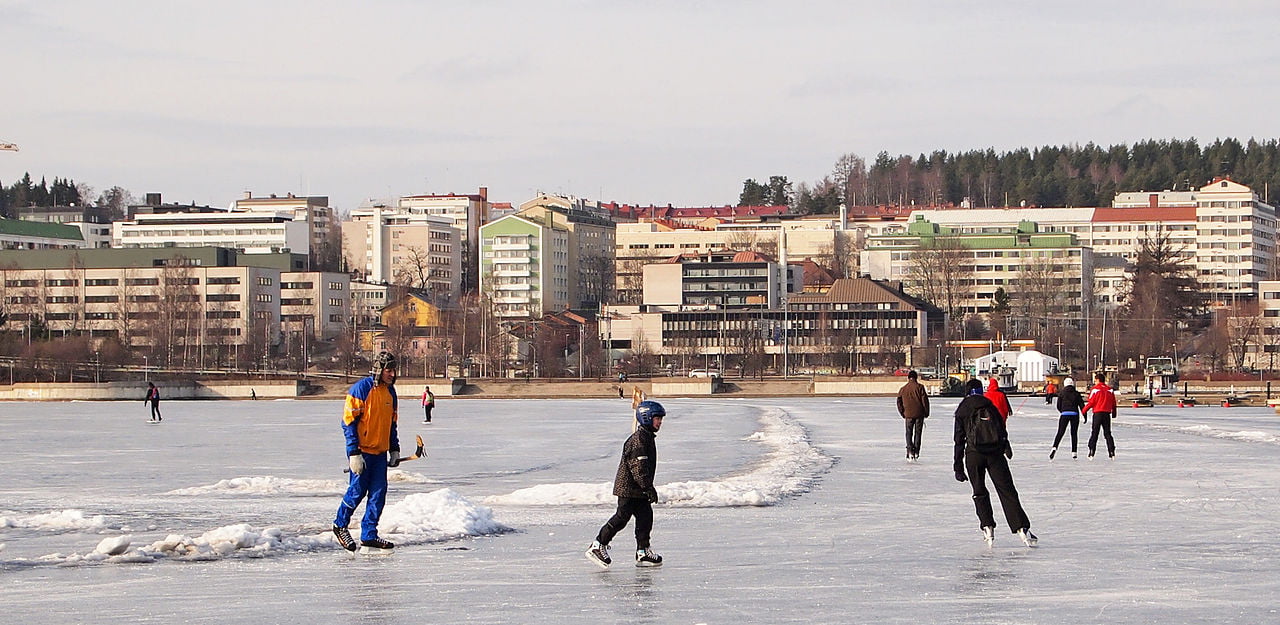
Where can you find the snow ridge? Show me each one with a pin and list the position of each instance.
(790, 467)
(61, 520)
(271, 485)
(420, 518)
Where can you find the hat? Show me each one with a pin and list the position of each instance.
(1068, 382)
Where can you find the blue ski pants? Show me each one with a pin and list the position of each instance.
(372, 484)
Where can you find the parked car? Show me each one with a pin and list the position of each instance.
(927, 373)
(704, 373)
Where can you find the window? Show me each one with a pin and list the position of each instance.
(222, 297)
(101, 282)
(142, 281)
(263, 297)
(55, 282)
(223, 280)
(265, 282)
(335, 286)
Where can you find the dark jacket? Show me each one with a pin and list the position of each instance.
(638, 465)
(913, 401)
(1069, 400)
(966, 412)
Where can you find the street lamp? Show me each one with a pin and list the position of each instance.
(146, 368)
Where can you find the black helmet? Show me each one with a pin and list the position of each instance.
(647, 411)
(384, 360)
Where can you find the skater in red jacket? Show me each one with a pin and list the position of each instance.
(998, 398)
(1103, 404)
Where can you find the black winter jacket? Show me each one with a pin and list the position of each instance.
(638, 465)
(1069, 400)
(966, 412)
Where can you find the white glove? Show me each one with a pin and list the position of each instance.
(357, 463)
(393, 458)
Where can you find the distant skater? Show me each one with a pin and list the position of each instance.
(1102, 401)
(1051, 391)
(634, 488)
(428, 403)
(153, 398)
(913, 405)
(1070, 408)
(998, 399)
(982, 448)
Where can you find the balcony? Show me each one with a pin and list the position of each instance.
(512, 273)
(511, 246)
(512, 299)
(522, 260)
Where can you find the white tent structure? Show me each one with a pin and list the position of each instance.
(1029, 365)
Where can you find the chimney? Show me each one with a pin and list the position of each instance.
(1153, 200)
(484, 194)
(248, 195)
(152, 199)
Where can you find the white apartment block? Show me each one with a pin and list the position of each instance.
(313, 210)
(591, 237)
(417, 249)
(251, 233)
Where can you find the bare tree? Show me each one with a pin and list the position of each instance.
(414, 269)
(941, 272)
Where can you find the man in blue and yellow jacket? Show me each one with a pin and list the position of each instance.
(369, 424)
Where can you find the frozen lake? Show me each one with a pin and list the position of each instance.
(773, 511)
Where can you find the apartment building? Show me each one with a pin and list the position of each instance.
(467, 213)
(199, 305)
(312, 210)
(252, 233)
(719, 280)
(591, 233)
(17, 234)
(406, 246)
(94, 222)
(824, 241)
(524, 265)
(1045, 274)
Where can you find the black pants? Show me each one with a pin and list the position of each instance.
(979, 465)
(915, 428)
(155, 411)
(1102, 421)
(1063, 422)
(427, 418)
(628, 507)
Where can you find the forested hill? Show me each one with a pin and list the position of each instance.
(1088, 175)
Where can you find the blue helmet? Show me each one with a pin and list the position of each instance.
(647, 411)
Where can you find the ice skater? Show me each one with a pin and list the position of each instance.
(913, 405)
(153, 398)
(1070, 408)
(373, 444)
(998, 399)
(1050, 391)
(982, 447)
(428, 404)
(634, 488)
(1102, 401)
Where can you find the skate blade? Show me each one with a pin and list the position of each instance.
(374, 551)
(647, 565)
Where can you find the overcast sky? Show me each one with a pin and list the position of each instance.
(638, 102)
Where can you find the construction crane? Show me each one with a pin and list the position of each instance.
(11, 147)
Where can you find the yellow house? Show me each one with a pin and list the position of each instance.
(411, 311)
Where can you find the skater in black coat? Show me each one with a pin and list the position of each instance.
(981, 448)
(634, 488)
(1070, 409)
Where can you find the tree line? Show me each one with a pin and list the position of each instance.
(61, 192)
(1065, 175)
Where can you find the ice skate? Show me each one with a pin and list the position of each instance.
(1052, 452)
(376, 546)
(647, 557)
(344, 538)
(1027, 537)
(989, 535)
(599, 554)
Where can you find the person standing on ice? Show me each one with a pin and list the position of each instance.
(982, 447)
(428, 404)
(1102, 401)
(153, 398)
(913, 405)
(1070, 407)
(999, 399)
(373, 444)
(634, 488)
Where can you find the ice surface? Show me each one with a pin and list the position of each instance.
(772, 511)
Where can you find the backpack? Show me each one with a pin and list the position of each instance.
(984, 431)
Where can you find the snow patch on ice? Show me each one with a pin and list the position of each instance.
(1252, 436)
(420, 518)
(60, 520)
(790, 467)
(265, 485)
(271, 485)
